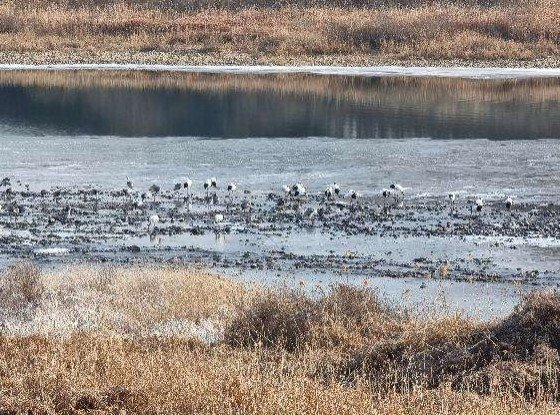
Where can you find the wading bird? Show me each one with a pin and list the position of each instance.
(154, 190)
(298, 190)
(188, 186)
(386, 193)
(207, 185)
(478, 205)
(336, 189)
(509, 203)
(452, 198)
(399, 191)
(152, 222)
(353, 195)
(329, 193)
(129, 183)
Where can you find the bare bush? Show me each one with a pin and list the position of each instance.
(274, 320)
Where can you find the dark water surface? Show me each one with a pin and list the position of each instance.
(143, 104)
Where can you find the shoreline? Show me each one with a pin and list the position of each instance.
(367, 71)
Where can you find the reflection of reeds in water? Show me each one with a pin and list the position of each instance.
(355, 89)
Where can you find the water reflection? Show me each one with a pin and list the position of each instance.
(296, 105)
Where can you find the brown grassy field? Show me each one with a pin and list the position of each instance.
(305, 32)
(160, 339)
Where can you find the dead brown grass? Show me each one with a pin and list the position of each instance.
(342, 33)
(270, 352)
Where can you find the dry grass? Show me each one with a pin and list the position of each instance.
(271, 32)
(160, 339)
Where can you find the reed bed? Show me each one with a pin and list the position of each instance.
(280, 33)
(163, 339)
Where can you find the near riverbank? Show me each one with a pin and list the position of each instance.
(175, 340)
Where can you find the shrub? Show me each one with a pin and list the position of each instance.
(277, 319)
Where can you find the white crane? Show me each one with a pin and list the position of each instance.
(452, 198)
(336, 189)
(298, 189)
(352, 194)
(187, 185)
(509, 203)
(152, 222)
(154, 190)
(478, 204)
(218, 221)
(399, 190)
(207, 185)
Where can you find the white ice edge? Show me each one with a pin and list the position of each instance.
(451, 72)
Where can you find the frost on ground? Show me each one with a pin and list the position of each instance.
(129, 302)
(374, 71)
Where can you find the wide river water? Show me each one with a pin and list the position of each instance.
(476, 138)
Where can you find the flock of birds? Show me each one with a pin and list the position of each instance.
(393, 196)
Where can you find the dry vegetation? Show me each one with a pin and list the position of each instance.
(245, 32)
(173, 340)
(360, 90)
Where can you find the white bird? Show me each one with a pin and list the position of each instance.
(154, 190)
(147, 195)
(129, 183)
(218, 218)
(509, 203)
(207, 185)
(479, 203)
(232, 187)
(213, 182)
(354, 195)
(152, 222)
(452, 197)
(298, 189)
(329, 193)
(286, 189)
(386, 193)
(399, 190)
(188, 186)
(336, 188)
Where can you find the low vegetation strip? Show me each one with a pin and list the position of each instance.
(160, 339)
(341, 33)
